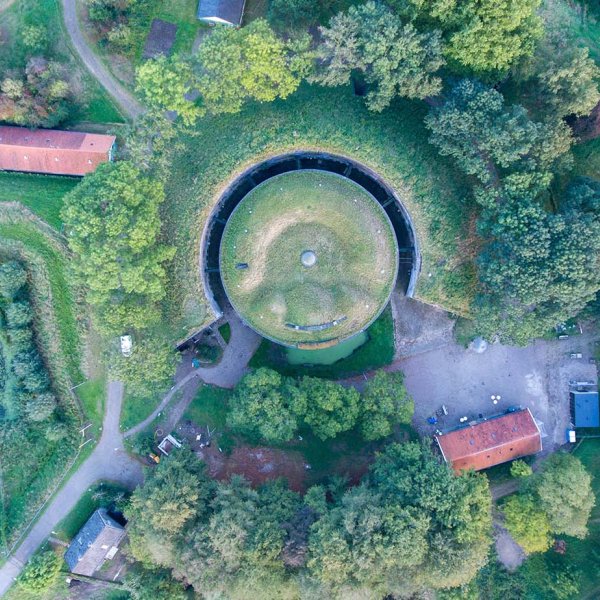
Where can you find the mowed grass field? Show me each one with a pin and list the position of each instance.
(354, 244)
(392, 143)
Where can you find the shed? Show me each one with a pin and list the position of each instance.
(585, 409)
(53, 152)
(221, 12)
(491, 442)
(96, 542)
(160, 40)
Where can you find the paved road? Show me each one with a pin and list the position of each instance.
(109, 461)
(230, 369)
(130, 106)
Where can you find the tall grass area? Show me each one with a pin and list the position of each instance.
(42, 194)
(393, 143)
(92, 103)
(29, 237)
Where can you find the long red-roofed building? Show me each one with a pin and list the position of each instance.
(53, 152)
(491, 442)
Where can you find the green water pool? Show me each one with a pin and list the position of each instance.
(326, 356)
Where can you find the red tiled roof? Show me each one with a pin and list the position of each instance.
(491, 442)
(51, 151)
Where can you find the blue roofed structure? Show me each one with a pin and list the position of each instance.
(221, 12)
(585, 409)
(96, 542)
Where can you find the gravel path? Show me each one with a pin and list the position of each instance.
(124, 99)
(108, 461)
(230, 369)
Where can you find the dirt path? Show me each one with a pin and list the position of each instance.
(124, 99)
(109, 461)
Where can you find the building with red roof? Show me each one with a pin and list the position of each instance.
(491, 442)
(53, 152)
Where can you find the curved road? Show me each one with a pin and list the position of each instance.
(128, 104)
(108, 461)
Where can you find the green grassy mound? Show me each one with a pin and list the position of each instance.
(345, 228)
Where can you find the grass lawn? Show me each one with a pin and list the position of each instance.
(377, 352)
(136, 409)
(308, 211)
(100, 495)
(92, 103)
(42, 194)
(209, 407)
(393, 143)
(91, 395)
(225, 331)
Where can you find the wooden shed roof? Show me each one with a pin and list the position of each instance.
(491, 442)
(51, 151)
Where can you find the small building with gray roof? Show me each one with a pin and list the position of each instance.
(97, 541)
(221, 12)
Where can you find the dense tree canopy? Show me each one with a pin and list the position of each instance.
(266, 403)
(413, 523)
(251, 63)
(113, 226)
(480, 35)
(394, 57)
(565, 494)
(12, 278)
(527, 522)
(166, 84)
(384, 403)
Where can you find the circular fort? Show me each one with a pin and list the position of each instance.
(307, 249)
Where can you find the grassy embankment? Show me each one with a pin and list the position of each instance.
(393, 143)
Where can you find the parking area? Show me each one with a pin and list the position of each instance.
(537, 377)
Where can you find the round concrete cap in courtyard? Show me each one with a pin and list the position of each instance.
(348, 258)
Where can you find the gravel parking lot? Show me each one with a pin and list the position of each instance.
(536, 377)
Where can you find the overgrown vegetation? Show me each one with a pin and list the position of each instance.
(36, 437)
(42, 84)
(230, 538)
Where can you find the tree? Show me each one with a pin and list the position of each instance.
(41, 572)
(384, 403)
(411, 524)
(527, 522)
(293, 15)
(166, 84)
(520, 469)
(40, 407)
(365, 540)
(480, 35)
(266, 404)
(568, 82)
(565, 494)
(149, 369)
(251, 63)
(488, 139)
(113, 224)
(12, 278)
(174, 494)
(38, 97)
(19, 314)
(330, 407)
(152, 584)
(395, 58)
